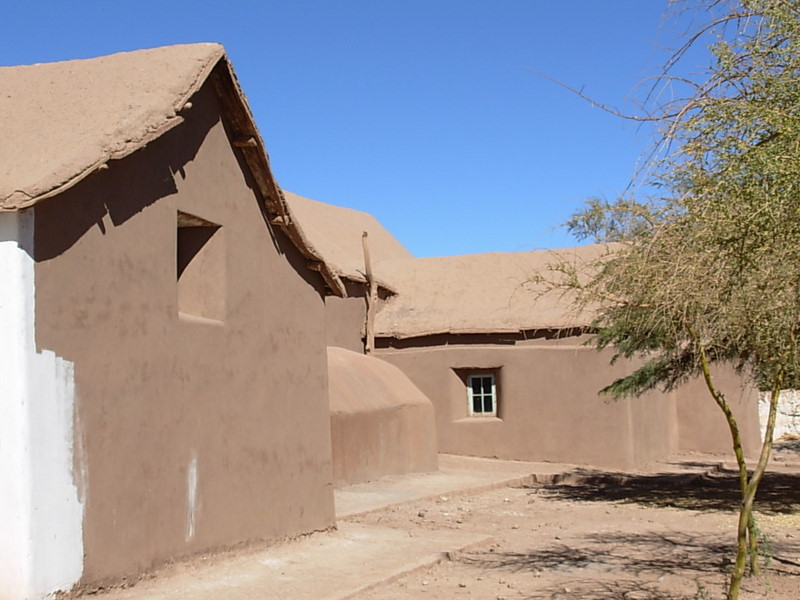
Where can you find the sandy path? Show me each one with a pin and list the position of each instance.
(643, 537)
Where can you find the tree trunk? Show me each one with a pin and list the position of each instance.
(744, 514)
(748, 498)
(748, 485)
(752, 544)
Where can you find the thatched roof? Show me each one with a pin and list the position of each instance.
(478, 293)
(335, 233)
(62, 121)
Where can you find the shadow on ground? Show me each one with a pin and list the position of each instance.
(592, 589)
(777, 493)
(605, 566)
(638, 555)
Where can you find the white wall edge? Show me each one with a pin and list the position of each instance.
(41, 542)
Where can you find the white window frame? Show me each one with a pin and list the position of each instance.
(492, 395)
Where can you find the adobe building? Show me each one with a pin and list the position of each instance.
(381, 423)
(506, 364)
(336, 233)
(192, 358)
(504, 361)
(165, 385)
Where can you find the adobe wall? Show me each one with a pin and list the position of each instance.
(703, 427)
(548, 405)
(549, 409)
(346, 318)
(381, 423)
(197, 429)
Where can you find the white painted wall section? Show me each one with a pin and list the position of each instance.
(41, 541)
(191, 498)
(787, 421)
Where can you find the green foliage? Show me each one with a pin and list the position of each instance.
(606, 221)
(708, 271)
(716, 258)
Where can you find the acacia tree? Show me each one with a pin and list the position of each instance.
(708, 271)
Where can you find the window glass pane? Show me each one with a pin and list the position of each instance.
(488, 404)
(487, 385)
(476, 385)
(476, 404)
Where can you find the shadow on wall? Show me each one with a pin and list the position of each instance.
(73, 212)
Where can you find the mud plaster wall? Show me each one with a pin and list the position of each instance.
(548, 405)
(197, 433)
(381, 423)
(346, 318)
(703, 427)
(549, 408)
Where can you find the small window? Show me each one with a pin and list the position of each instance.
(482, 394)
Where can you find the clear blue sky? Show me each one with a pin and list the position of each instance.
(421, 112)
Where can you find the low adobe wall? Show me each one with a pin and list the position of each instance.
(549, 408)
(381, 423)
(702, 426)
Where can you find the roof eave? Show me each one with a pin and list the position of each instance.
(407, 335)
(149, 136)
(246, 137)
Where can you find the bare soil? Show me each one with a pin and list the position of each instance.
(597, 535)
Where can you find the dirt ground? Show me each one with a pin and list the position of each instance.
(602, 535)
(663, 534)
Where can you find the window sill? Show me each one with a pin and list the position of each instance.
(479, 419)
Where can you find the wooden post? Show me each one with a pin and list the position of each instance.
(372, 298)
